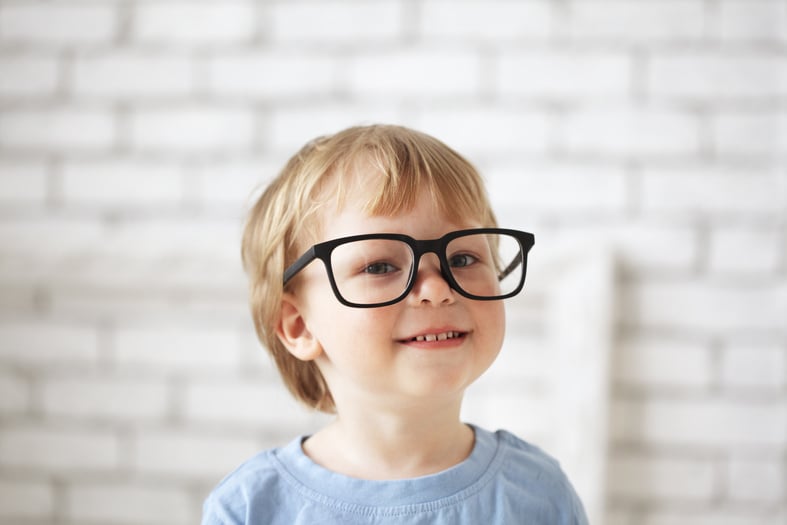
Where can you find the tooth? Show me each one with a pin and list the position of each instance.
(442, 337)
(431, 337)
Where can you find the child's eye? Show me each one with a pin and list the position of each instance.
(462, 260)
(379, 268)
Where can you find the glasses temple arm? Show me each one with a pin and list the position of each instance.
(511, 267)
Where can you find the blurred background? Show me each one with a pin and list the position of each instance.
(643, 139)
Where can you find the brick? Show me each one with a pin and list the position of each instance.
(754, 480)
(23, 182)
(716, 307)
(480, 131)
(745, 251)
(233, 185)
(625, 21)
(129, 503)
(192, 129)
(352, 22)
(557, 188)
(758, 366)
(48, 238)
(639, 246)
(177, 350)
(705, 76)
(176, 239)
(43, 344)
(493, 409)
(28, 76)
(752, 20)
(272, 74)
(626, 132)
(244, 403)
(738, 133)
(563, 75)
(132, 75)
(21, 499)
(646, 478)
(174, 453)
(289, 128)
(144, 304)
(14, 394)
(663, 363)
(122, 183)
(525, 357)
(617, 515)
(104, 398)
(727, 515)
(488, 21)
(735, 191)
(716, 423)
(194, 23)
(47, 23)
(56, 129)
(53, 449)
(422, 73)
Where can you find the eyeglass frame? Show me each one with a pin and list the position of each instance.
(323, 250)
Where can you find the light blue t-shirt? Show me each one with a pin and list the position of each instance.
(504, 480)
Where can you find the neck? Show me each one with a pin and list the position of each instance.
(379, 444)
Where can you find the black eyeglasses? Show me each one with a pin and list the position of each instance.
(379, 269)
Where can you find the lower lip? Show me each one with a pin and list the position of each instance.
(437, 344)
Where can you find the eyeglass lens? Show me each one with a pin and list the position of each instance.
(378, 270)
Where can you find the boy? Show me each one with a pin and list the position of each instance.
(400, 314)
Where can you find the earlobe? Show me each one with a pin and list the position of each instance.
(294, 334)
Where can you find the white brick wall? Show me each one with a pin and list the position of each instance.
(130, 503)
(28, 76)
(752, 20)
(564, 76)
(47, 448)
(709, 77)
(631, 132)
(22, 183)
(621, 20)
(653, 478)
(485, 21)
(58, 130)
(190, 23)
(131, 75)
(26, 499)
(432, 73)
(258, 75)
(191, 129)
(133, 133)
(351, 23)
(54, 25)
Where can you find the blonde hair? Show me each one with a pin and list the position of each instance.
(285, 219)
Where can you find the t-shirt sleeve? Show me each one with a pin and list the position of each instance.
(216, 512)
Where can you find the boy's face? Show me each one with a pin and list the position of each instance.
(387, 354)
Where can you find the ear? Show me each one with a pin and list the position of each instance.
(293, 332)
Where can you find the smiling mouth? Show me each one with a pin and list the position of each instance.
(442, 336)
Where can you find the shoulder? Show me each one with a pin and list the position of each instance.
(519, 453)
(254, 484)
(537, 477)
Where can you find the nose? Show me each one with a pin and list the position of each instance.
(430, 285)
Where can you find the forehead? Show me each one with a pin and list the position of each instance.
(424, 220)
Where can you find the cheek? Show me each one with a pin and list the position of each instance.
(345, 331)
(495, 321)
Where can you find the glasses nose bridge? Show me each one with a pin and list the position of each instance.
(423, 247)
